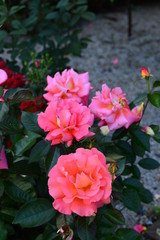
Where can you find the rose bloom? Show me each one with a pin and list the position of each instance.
(3, 76)
(65, 120)
(33, 106)
(145, 72)
(139, 228)
(112, 108)
(17, 80)
(80, 182)
(68, 85)
(3, 160)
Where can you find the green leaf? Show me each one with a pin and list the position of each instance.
(54, 159)
(50, 233)
(3, 34)
(141, 98)
(133, 183)
(88, 16)
(62, 3)
(84, 230)
(62, 219)
(29, 121)
(119, 133)
(131, 199)
(136, 172)
(51, 15)
(140, 138)
(111, 157)
(3, 230)
(121, 166)
(114, 216)
(154, 99)
(156, 84)
(19, 190)
(3, 110)
(127, 234)
(15, 9)
(34, 213)
(145, 195)
(139, 151)
(39, 151)
(11, 125)
(17, 95)
(156, 137)
(1, 188)
(25, 143)
(155, 128)
(1, 91)
(126, 150)
(7, 214)
(149, 163)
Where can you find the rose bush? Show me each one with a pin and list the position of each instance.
(61, 175)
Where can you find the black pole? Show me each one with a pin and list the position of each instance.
(129, 18)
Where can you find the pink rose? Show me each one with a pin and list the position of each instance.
(66, 120)
(112, 108)
(80, 182)
(139, 228)
(68, 85)
(3, 160)
(3, 76)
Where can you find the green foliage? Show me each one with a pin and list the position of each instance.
(34, 213)
(51, 24)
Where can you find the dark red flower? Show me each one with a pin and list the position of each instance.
(9, 143)
(17, 80)
(8, 71)
(33, 106)
(2, 64)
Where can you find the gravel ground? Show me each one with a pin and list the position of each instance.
(109, 41)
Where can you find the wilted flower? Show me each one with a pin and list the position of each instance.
(66, 232)
(80, 182)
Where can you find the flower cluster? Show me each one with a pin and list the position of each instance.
(80, 182)
(33, 106)
(112, 108)
(66, 117)
(13, 80)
